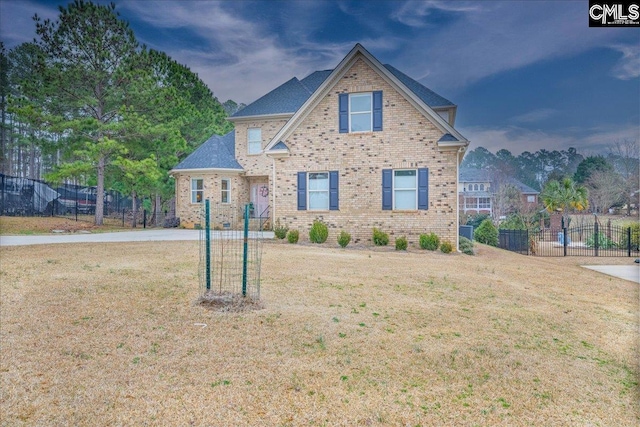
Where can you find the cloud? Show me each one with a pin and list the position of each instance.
(16, 23)
(535, 115)
(413, 13)
(518, 139)
(500, 36)
(629, 65)
(240, 58)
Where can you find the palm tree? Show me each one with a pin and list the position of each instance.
(564, 196)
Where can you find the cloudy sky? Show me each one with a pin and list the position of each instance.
(525, 74)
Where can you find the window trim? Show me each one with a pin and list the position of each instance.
(328, 191)
(196, 191)
(227, 191)
(393, 190)
(250, 141)
(370, 112)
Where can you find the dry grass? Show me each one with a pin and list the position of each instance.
(44, 225)
(112, 335)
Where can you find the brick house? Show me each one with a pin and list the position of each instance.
(477, 189)
(359, 146)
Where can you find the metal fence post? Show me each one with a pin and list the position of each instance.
(629, 241)
(122, 217)
(596, 238)
(144, 218)
(245, 250)
(207, 233)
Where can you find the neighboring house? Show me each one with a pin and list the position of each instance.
(359, 146)
(477, 189)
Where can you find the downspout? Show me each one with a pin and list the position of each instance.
(460, 150)
(273, 192)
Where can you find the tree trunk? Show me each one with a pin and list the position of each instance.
(3, 141)
(134, 209)
(99, 220)
(158, 209)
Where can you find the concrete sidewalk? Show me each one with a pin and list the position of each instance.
(165, 234)
(626, 272)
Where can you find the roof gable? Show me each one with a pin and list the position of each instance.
(217, 152)
(359, 52)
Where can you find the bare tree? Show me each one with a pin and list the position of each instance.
(625, 156)
(606, 188)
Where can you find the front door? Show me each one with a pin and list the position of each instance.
(260, 199)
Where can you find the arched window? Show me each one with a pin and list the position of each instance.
(481, 187)
(475, 187)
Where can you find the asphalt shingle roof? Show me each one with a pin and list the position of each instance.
(286, 98)
(217, 152)
(448, 137)
(427, 96)
(289, 97)
(473, 175)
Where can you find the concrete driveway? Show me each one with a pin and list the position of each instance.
(627, 272)
(165, 234)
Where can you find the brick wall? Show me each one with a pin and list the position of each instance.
(190, 213)
(408, 140)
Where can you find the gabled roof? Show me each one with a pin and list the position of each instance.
(289, 97)
(286, 98)
(427, 96)
(217, 152)
(396, 81)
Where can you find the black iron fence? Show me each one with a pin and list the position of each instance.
(29, 197)
(607, 240)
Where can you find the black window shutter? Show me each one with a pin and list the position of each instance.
(377, 111)
(343, 111)
(387, 189)
(333, 191)
(423, 188)
(302, 191)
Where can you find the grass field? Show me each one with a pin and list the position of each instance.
(16, 225)
(110, 335)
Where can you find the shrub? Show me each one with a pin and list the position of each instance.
(429, 241)
(401, 244)
(513, 222)
(280, 231)
(343, 239)
(380, 238)
(603, 242)
(635, 237)
(486, 233)
(476, 220)
(446, 247)
(319, 232)
(293, 236)
(466, 246)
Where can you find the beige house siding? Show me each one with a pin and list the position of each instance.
(408, 140)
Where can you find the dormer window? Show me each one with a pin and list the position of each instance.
(254, 140)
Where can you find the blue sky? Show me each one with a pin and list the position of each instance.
(525, 74)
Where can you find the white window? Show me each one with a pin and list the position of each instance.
(254, 140)
(484, 203)
(360, 112)
(531, 199)
(405, 189)
(197, 190)
(226, 190)
(318, 191)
